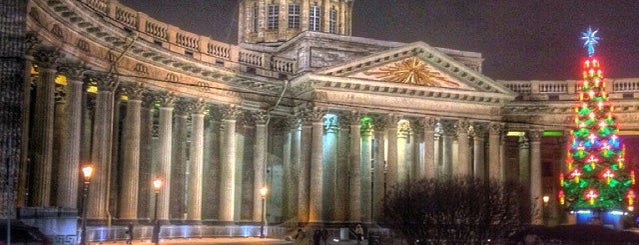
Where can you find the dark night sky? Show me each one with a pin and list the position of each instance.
(519, 39)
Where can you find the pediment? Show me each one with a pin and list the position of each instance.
(411, 70)
(417, 64)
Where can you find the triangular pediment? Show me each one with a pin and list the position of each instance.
(411, 70)
(417, 64)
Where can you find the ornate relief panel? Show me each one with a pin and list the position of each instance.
(412, 70)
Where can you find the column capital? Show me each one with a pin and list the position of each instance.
(404, 128)
(134, 91)
(293, 122)
(535, 135)
(495, 128)
(380, 124)
(448, 127)
(523, 141)
(231, 112)
(260, 117)
(199, 106)
(46, 57)
(32, 42)
(73, 70)
(354, 117)
(315, 114)
(478, 130)
(182, 107)
(148, 100)
(166, 99)
(462, 126)
(392, 120)
(428, 123)
(105, 82)
(60, 94)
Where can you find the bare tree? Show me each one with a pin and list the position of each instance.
(457, 210)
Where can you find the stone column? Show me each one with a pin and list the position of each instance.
(329, 159)
(304, 174)
(165, 149)
(355, 184)
(179, 158)
(403, 168)
(430, 167)
(463, 166)
(146, 171)
(535, 177)
(102, 143)
(259, 161)
(502, 152)
(447, 139)
(230, 114)
(128, 208)
(379, 169)
(317, 169)
(196, 163)
(524, 161)
(343, 164)
(25, 153)
(69, 168)
(287, 169)
(212, 161)
(494, 131)
(40, 193)
(365, 171)
(391, 160)
(294, 186)
(479, 165)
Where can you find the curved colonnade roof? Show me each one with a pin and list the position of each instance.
(163, 57)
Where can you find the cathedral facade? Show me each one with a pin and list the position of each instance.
(327, 122)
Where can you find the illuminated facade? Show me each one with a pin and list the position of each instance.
(323, 119)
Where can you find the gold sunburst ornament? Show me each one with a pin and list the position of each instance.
(412, 71)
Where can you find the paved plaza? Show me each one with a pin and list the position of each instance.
(227, 241)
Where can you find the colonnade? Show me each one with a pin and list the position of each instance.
(335, 165)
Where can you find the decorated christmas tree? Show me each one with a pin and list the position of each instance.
(596, 176)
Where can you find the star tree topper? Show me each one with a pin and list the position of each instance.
(591, 39)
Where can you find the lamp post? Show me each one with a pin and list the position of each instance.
(263, 192)
(157, 184)
(545, 209)
(87, 172)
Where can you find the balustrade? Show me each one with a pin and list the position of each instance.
(168, 33)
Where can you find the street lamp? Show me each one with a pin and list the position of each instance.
(545, 208)
(87, 171)
(157, 184)
(263, 192)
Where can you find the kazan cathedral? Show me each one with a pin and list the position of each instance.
(299, 123)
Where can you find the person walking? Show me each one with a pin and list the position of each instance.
(129, 233)
(317, 235)
(325, 236)
(359, 232)
(300, 237)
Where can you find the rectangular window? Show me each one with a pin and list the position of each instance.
(314, 18)
(256, 14)
(273, 16)
(332, 21)
(294, 16)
